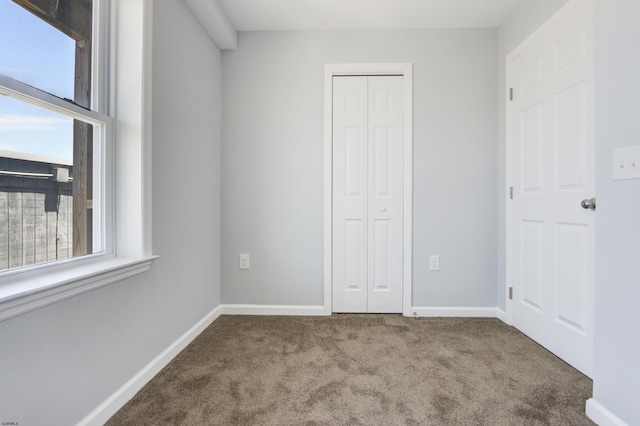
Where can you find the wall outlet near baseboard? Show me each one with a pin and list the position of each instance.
(245, 261)
(434, 263)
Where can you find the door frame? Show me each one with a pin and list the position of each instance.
(370, 69)
(510, 179)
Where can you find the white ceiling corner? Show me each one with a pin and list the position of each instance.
(275, 15)
(214, 20)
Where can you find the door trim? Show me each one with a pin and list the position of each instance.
(405, 70)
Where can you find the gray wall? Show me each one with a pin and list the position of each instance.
(528, 17)
(617, 334)
(272, 173)
(58, 363)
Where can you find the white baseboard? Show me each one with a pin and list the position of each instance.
(462, 312)
(119, 398)
(501, 315)
(601, 416)
(291, 310)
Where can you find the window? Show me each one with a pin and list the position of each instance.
(51, 132)
(69, 123)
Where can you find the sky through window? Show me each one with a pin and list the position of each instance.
(40, 55)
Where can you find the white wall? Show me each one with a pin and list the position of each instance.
(58, 363)
(528, 17)
(617, 335)
(272, 181)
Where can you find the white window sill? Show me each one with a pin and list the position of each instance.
(24, 292)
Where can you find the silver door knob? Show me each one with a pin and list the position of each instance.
(589, 204)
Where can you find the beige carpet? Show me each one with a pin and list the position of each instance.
(361, 370)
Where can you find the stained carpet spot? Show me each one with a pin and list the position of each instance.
(196, 383)
(324, 393)
(445, 405)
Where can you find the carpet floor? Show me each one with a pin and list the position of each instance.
(361, 370)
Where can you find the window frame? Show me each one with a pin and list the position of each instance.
(121, 107)
(103, 133)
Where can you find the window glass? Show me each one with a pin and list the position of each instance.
(47, 174)
(46, 205)
(28, 129)
(35, 52)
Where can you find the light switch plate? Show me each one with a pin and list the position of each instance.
(434, 263)
(245, 261)
(626, 163)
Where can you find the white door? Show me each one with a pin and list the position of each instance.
(551, 235)
(367, 194)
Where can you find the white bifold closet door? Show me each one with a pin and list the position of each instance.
(367, 194)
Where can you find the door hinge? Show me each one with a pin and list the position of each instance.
(511, 192)
(510, 293)
(511, 94)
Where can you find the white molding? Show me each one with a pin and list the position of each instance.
(508, 209)
(455, 312)
(131, 101)
(291, 310)
(146, 178)
(501, 315)
(406, 70)
(119, 398)
(215, 22)
(328, 189)
(407, 272)
(46, 286)
(601, 415)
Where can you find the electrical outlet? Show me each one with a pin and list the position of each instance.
(434, 263)
(245, 261)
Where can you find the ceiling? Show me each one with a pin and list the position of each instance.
(272, 15)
